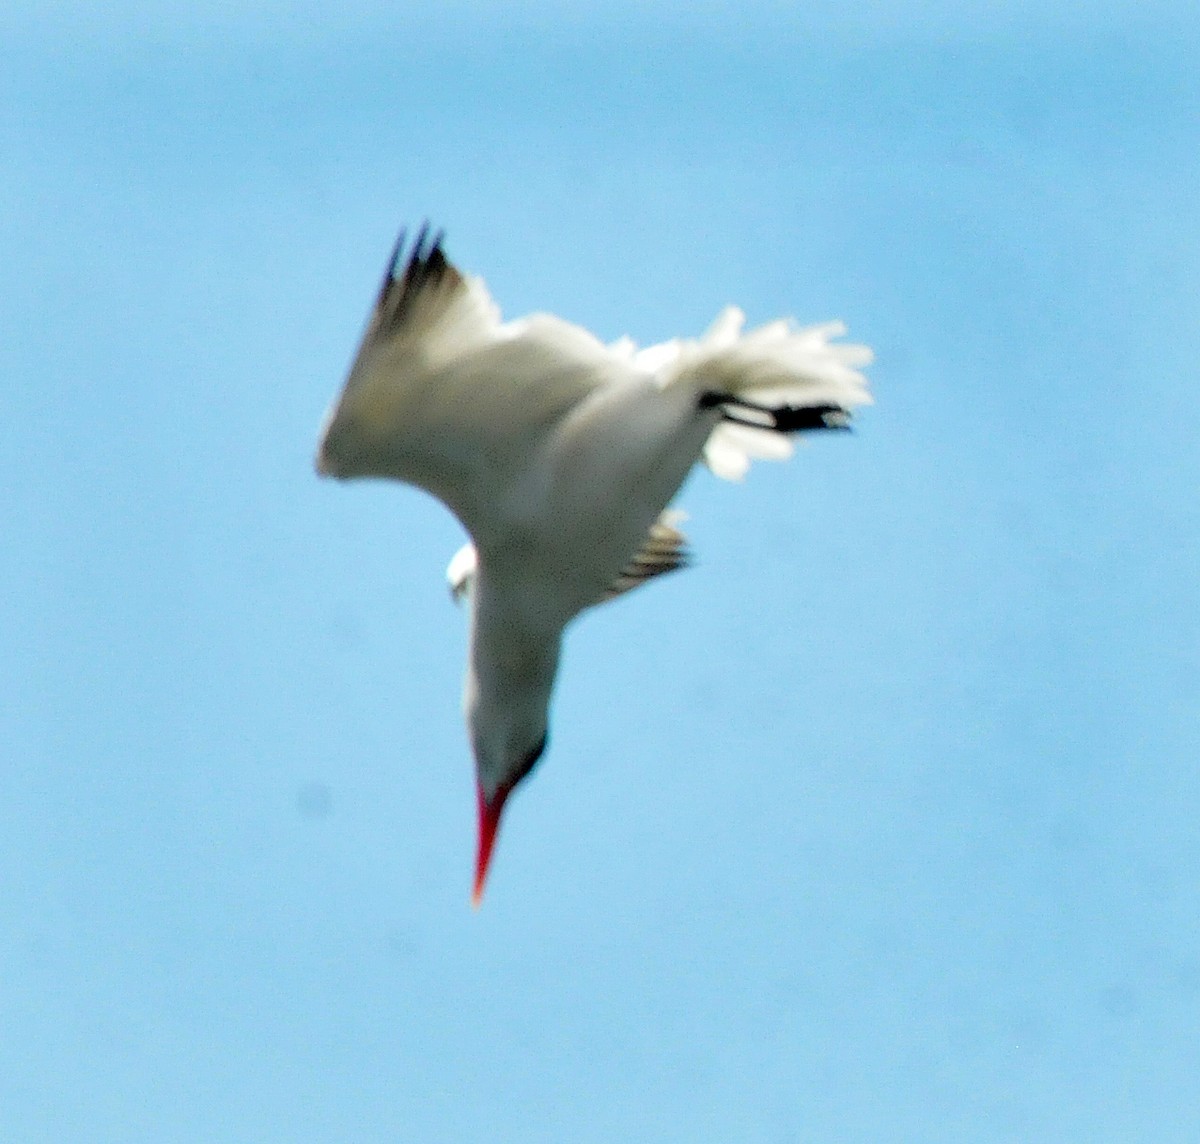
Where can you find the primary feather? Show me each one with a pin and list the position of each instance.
(559, 455)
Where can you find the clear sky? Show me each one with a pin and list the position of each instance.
(882, 823)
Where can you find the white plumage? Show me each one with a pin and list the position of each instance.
(559, 454)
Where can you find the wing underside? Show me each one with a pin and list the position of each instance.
(665, 550)
(445, 396)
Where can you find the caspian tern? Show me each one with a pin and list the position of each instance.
(559, 455)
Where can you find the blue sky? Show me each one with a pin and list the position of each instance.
(881, 823)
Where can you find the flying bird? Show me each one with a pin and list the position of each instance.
(559, 455)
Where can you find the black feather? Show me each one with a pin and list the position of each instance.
(425, 267)
(778, 418)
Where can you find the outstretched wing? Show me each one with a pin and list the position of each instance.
(445, 396)
(768, 383)
(665, 549)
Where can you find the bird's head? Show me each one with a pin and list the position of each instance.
(506, 700)
(492, 793)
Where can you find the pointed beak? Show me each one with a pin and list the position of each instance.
(489, 824)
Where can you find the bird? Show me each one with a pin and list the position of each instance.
(560, 455)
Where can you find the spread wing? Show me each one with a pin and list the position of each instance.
(665, 549)
(445, 396)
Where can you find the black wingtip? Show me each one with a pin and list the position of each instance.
(778, 418)
(804, 419)
(423, 256)
(427, 260)
(410, 270)
(393, 263)
(418, 251)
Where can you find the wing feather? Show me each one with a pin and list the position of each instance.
(445, 396)
(665, 549)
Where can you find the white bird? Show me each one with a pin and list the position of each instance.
(559, 455)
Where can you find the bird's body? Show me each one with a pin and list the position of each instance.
(559, 455)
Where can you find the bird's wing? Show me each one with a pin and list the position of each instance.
(665, 550)
(445, 396)
(769, 382)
